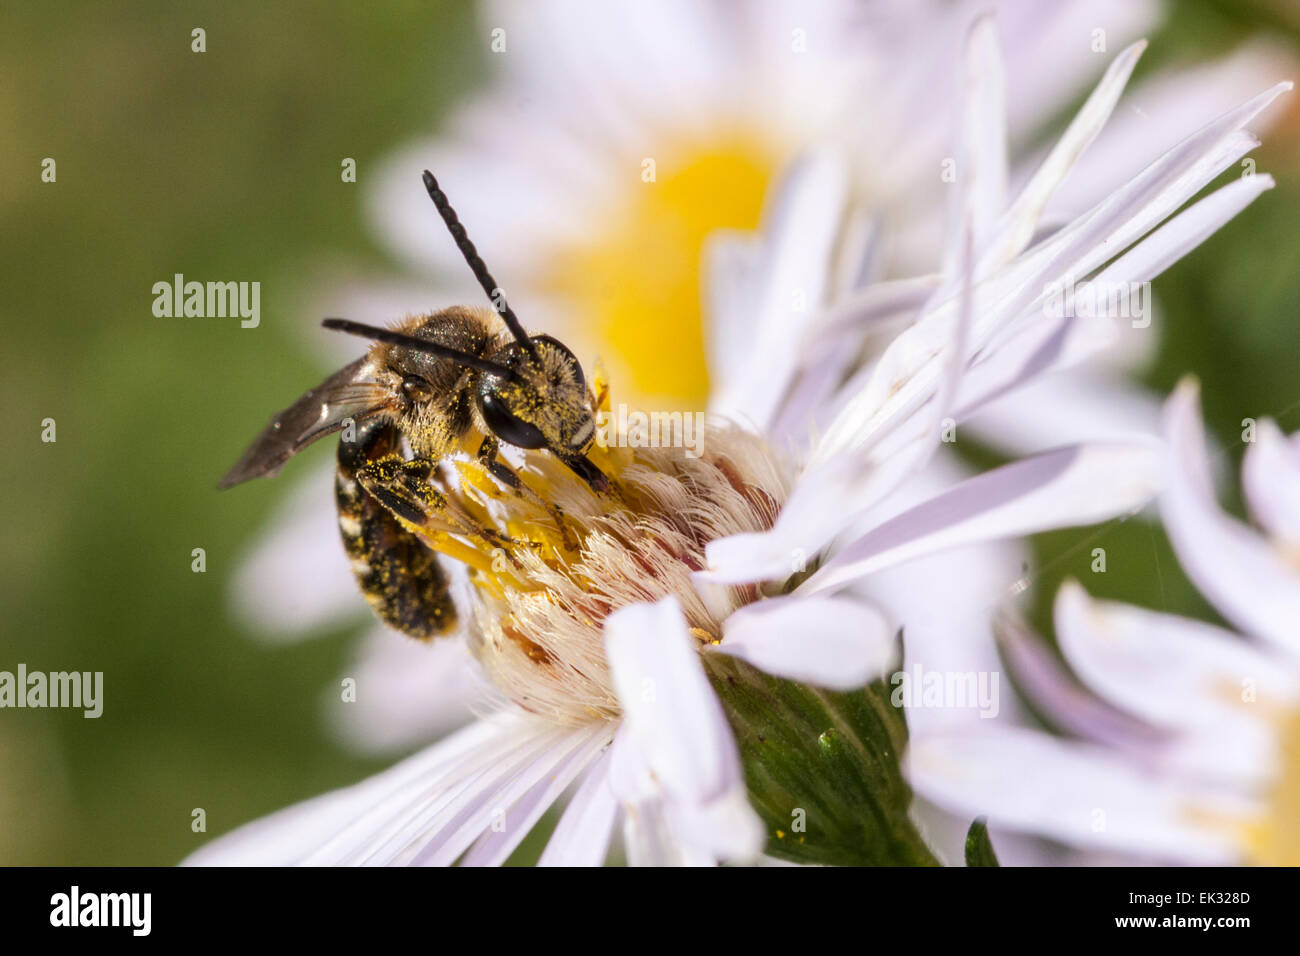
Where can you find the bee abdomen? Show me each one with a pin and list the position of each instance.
(398, 575)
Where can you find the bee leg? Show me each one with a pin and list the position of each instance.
(398, 574)
(487, 455)
(403, 488)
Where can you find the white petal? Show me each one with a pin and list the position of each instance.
(672, 716)
(651, 837)
(438, 834)
(835, 642)
(951, 635)
(1206, 683)
(1053, 53)
(1068, 407)
(1017, 226)
(911, 373)
(582, 836)
(732, 264)
(1183, 233)
(910, 376)
(1075, 793)
(1160, 108)
(1072, 486)
(1233, 566)
(836, 490)
(408, 692)
(296, 579)
(1055, 343)
(875, 304)
(798, 235)
(1171, 670)
(507, 829)
(291, 835)
(983, 170)
(1270, 477)
(825, 498)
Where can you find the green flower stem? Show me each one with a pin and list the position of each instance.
(979, 848)
(822, 768)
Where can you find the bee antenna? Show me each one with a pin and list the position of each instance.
(419, 345)
(476, 263)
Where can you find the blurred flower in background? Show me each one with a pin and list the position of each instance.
(1182, 738)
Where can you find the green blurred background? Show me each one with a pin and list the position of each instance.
(226, 165)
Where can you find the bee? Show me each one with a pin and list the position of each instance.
(461, 379)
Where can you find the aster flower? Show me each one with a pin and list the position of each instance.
(601, 629)
(1181, 736)
(722, 98)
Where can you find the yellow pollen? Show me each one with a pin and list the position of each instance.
(551, 559)
(636, 283)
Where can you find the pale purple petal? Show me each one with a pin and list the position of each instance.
(1158, 110)
(1073, 486)
(1173, 671)
(1051, 689)
(1250, 583)
(1270, 477)
(1220, 694)
(1076, 793)
(1018, 225)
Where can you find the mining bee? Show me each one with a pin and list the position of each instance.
(458, 380)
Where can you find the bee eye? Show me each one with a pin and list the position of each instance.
(416, 388)
(507, 426)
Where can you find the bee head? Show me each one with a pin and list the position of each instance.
(531, 391)
(544, 403)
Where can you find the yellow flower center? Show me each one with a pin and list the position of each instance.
(1275, 840)
(551, 559)
(636, 282)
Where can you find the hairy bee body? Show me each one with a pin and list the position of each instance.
(460, 380)
(436, 413)
(399, 577)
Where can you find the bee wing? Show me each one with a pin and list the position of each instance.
(347, 394)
